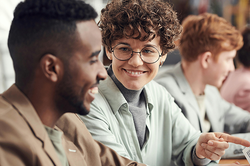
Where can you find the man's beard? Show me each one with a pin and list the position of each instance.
(68, 96)
(81, 109)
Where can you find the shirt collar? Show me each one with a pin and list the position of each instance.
(116, 100)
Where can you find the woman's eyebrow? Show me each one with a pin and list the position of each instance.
(150, 45)
(123, 43)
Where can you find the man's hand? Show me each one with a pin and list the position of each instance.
(213, 145)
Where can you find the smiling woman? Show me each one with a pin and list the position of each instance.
(132, 114)
(129, 61)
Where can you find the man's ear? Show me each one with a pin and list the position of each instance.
(51, 67)
(109, 54)
(205, 59)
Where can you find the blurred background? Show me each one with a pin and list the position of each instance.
(235, 11)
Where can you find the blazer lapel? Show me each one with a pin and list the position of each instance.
(185, 88)
(25, 108)
(74, 156)
(187, 92)
(212, 115)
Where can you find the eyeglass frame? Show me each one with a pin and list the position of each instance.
(112, 50)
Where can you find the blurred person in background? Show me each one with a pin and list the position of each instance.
(236, 88)
(208, 45)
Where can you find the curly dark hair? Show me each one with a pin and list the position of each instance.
(125, 18)
(244, 53)
(44, 26)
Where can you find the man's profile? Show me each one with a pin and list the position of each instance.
(54, 46)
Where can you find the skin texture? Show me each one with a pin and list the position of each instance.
(207, 70)
(213, 145)
(145, 72)
(83, 71)
(218, 70)
(61, 86)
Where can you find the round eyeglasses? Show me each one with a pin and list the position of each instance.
(124, 52)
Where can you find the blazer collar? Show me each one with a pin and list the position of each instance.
(116, 100)
(211, 109)
(185, 87)
(73, 153)
(113, 95)
(21, 103)
(181, 79)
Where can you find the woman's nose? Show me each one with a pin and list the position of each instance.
(135, 60)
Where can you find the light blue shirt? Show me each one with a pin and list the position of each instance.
(169, 135)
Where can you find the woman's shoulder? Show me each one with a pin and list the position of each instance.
(155, 86)
(155, 89)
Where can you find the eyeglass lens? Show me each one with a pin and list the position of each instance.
(124, 52)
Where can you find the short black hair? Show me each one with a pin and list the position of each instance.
(244, 52)
(44, 26)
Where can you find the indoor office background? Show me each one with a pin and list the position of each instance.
(235, 11)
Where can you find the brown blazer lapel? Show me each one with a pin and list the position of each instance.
(50, 150)
(74, 156)
(20, 102)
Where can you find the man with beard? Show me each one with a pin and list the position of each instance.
(54, 46)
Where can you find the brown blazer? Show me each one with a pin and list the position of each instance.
(24, 140)
(93, 152)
